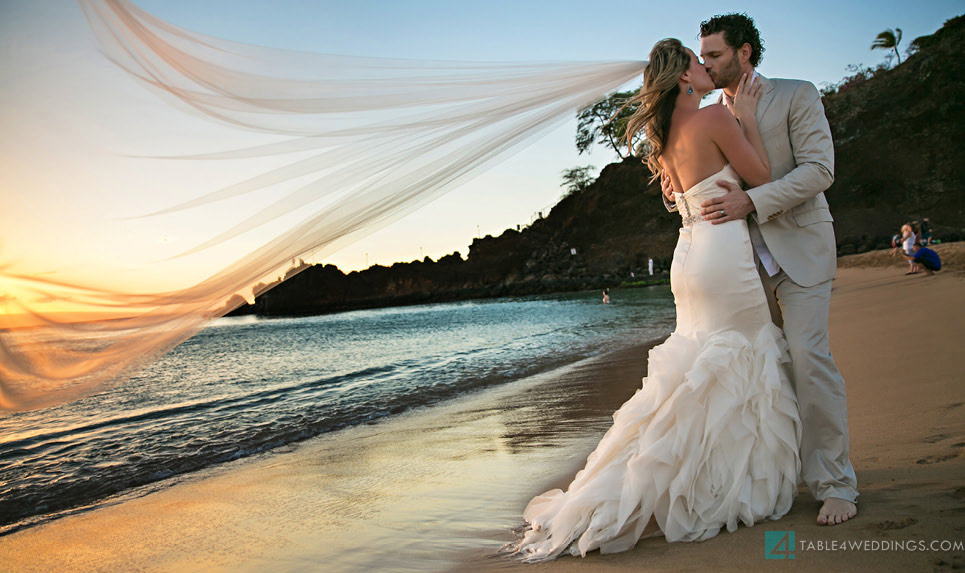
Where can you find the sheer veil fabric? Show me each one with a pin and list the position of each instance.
(358, 142)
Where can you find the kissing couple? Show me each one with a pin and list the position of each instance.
(743, 400)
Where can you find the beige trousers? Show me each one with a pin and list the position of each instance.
(803, 314)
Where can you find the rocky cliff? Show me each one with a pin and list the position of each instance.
(898, 145)
(898, 156)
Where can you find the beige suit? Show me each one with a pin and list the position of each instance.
(791, 211)
(792, 215)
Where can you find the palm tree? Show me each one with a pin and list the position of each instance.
(888, 40)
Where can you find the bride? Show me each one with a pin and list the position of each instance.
(711, 438)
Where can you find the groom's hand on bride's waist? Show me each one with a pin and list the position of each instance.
(735, 205)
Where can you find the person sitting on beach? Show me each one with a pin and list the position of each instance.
(896, 242)
(925, 232)
(927, 259)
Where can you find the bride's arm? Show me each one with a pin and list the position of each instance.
(744, 109)
(738, 137)
(749, 160)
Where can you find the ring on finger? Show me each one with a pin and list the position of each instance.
(722, 213)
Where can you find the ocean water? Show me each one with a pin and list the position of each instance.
(246, 385)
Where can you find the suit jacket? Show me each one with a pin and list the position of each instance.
(791, 211)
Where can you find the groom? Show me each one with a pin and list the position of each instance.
(790, 227)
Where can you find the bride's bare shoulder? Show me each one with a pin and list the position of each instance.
(716, 117)
(715, 112)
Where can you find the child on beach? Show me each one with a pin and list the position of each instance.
(906, 247)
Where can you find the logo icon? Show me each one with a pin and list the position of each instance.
(778, 545)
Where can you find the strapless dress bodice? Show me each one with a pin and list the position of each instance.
(689, 202)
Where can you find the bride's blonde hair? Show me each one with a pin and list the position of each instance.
(656, 98)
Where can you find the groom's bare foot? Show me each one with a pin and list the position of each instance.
(836, 510)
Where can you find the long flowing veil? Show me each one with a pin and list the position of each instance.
(328, 148)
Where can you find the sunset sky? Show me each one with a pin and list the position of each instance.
(64, 142)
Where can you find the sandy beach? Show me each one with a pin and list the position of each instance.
(441, 488)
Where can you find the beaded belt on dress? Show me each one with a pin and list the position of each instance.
(689, 218)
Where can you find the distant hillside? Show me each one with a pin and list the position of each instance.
(898, 146)
(898, 157)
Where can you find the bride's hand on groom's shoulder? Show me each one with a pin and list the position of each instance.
(748, 94)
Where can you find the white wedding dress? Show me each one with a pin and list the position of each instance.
(711, 438)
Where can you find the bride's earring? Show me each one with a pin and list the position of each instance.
(690, 90)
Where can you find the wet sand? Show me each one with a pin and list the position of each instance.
(442, 487)
(418, 492)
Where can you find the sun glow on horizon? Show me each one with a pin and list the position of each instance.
(78, 172)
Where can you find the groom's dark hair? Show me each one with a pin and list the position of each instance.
(738, 29)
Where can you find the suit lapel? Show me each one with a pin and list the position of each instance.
(766, 98)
